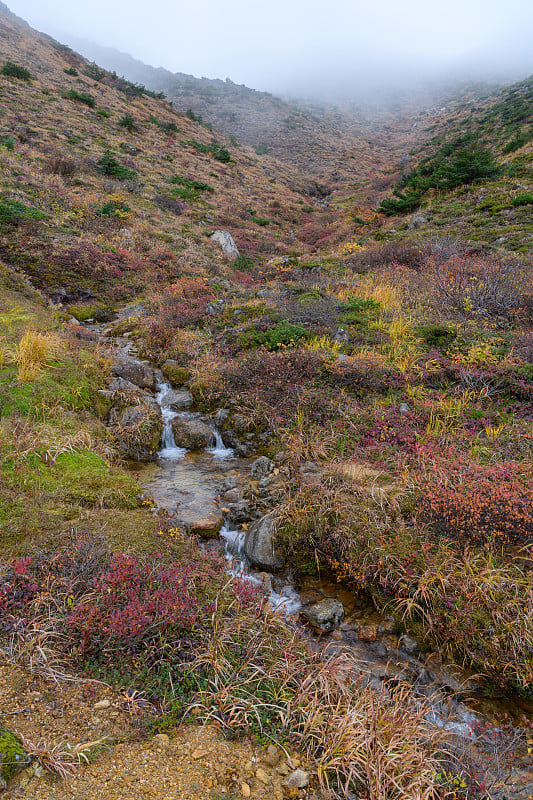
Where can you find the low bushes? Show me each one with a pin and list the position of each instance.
(11, 70)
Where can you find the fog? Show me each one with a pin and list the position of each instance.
(326, 49)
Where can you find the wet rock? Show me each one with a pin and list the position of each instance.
(135, 371)
(178, 401)
(324, 616)
(368, 633)
(220, 417)
(123, 393)
(226, 242)
(201, 517)
(239, 512)
(409, 645)
(259, 545)
(229, 483)
(139, 432)
(176, 374)
(192, 433)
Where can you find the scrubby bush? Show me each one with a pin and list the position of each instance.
(109, 165)
(81, 97)
(128, 122)
(61, 165)
(12, 70)
(367, 370)
(486, 505)
(70, 71)
(168, 204)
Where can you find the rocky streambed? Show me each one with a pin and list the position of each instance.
(202, 471)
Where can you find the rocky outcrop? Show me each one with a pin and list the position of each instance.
(192, 433)
(226, 242)
(134, 371)
(138, 432)
(259, 545)
(261, 467)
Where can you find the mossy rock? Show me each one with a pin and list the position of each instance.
(12, 754)
(175, 374)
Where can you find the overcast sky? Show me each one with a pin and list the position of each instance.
(299, 46)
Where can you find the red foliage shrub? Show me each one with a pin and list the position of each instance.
(183, 303)
(481, 504)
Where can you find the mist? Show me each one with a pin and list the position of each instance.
(335, 50)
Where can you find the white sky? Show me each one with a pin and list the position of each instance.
(297, 45)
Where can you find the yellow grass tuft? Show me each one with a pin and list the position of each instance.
(35, 351)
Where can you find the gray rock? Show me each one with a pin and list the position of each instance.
(404, 408)
(229, 483)
(177, 401)
(192, 433)
(138, 434)
(221, 417)
(215, 307)
(342, 336)
(417, 220)
(134, 371)
(259, 545)
(324, 616)
(261, 467)
(409, 645)
(226, 242)
(299, 779)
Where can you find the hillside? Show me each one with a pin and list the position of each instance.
(265, 520)
(473, 178)
(329, 145)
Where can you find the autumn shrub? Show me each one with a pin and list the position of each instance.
(274, 381)
(481, 504)
(183, 302)
(379, 255)
(484, 288)
(128, 122)
(59, 164)
(365, 371)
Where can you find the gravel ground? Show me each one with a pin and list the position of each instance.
(190, 763)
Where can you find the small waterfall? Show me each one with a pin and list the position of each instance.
(219, 449)
(169, 449)
(286, 600)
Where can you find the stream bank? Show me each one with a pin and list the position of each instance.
(210, 489)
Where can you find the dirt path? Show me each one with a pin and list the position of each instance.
(192, 762)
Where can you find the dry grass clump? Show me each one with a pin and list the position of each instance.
(34, 352)
(260, 676)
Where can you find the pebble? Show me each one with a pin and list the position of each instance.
(262, 776)
(199, 753)
(271, 757)
(245, 790)
(161, 740)
(102, 704)
(299, 778)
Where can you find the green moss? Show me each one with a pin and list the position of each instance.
(12, 754)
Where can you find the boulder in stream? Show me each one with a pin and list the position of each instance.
(201, 517)
(324, 616)
(259, 545)
(192, 433)
(135, 371)
(177, 400)
(139, 431)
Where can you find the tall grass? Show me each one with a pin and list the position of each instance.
(34, 351)
(258, 675)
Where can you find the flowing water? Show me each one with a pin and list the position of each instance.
(180, 477)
